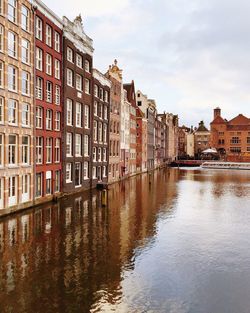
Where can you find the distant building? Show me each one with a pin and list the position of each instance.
(130, 88)
(201, 139)
(183, 132)
(141, 141)
(100, 120)
(190, 144)
(114, 74)
(125, 135)
(231, 138)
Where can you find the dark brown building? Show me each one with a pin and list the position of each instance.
(100, 120)
(78, 97)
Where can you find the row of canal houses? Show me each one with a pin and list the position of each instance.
(65, 126)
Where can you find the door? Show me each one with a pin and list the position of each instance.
(12, 190)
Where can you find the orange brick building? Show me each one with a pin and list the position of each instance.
(231, 138)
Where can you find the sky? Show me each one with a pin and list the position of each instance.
(189, 55)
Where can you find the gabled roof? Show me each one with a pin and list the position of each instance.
(218, 120)
(130, 88)
(239, 120)
(202, 127)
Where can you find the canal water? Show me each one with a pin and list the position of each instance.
(177, 242)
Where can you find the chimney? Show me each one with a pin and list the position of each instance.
(217, 112)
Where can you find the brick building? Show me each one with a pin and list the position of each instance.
(77, 99)
(114, 74)
(16, 104)
(100, 120)
(231, 138)
(130, 88)
(141, 141)
(201, 139)
(48, 109)
(125, 135)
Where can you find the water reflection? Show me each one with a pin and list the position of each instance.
(78, 256)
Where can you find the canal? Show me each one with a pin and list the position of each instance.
(180, 244)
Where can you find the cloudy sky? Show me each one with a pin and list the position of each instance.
(189, 55)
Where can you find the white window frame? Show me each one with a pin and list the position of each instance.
(12, 11)
(39, 150)
(25, 55)
(87, 86)
(86, 170)
(69, 77)
(79, 80)
(48, 35)
(86, 145)
(86, 116)
(39, 88)
(69, 112)
(57, 95)
(49, 145)
(57, 150)
(1, 38)
(39, 192)
(25, 114)
(57, 42)
(48, 64)
(57, 181)
(48, 121)
(57, 69)
(12, 157)
(58, 121)
(49, 92)
(78, 145)
(12, 78)
(25, 150)
(12, 112)
(13, 190)
(69, 54)
(2, 102)
(79, 60)
(39, 117)
(39, 59)
(87, 66)
(39, 28)
(69, 138)
(25, 83)
(25, 18)
(68, 172)
(78, 114)
(1, 150)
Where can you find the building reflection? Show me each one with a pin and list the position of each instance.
(68, 256)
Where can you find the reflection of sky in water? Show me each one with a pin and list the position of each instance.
(177, 245)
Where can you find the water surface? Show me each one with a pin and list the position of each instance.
(178, 244)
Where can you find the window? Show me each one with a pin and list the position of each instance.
(57, 95)
(235, 149)
(79, 60)
(39, 150)
(39, 59)
(87, 66)
(12, 78)
(48, 182)
(105, 112)
(39, 117)
(1, 149)
(1, 75)
(87, 86)
(25, 114)
(68, 144)
(1, 110)
(95, 130)
(100, 132)
(78, 82)
(86, 170)
(99, 154)
(86, 116)
(48, 35)
(95, 108)
(104, 154)
(39, 28)
(104, 171)
(25, 83)
(12, 111)
(68, 173)
(1, 37)
(101, 93)
(12, 190)
(49, 92)
(106, 96)
(49, 119)
(39, 88)
(69, 112)
(39, 185)
(12, 10)
(57, 181)
(94, 154)
(94, 172)
(57, 121)
(78, 151)
(57, 42)
(12, 150)
(48, 64)
(96, 91)
(57, 69)
(69, 77)
(25, 18)
(235, 140)
(86, 145)
(25, 150)
(25, 51)
(77, 174)
(78, 114)
(105, 133)
(100, 110)
(69, 54)
(57, 150)
(49, 150)
(12, 44)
